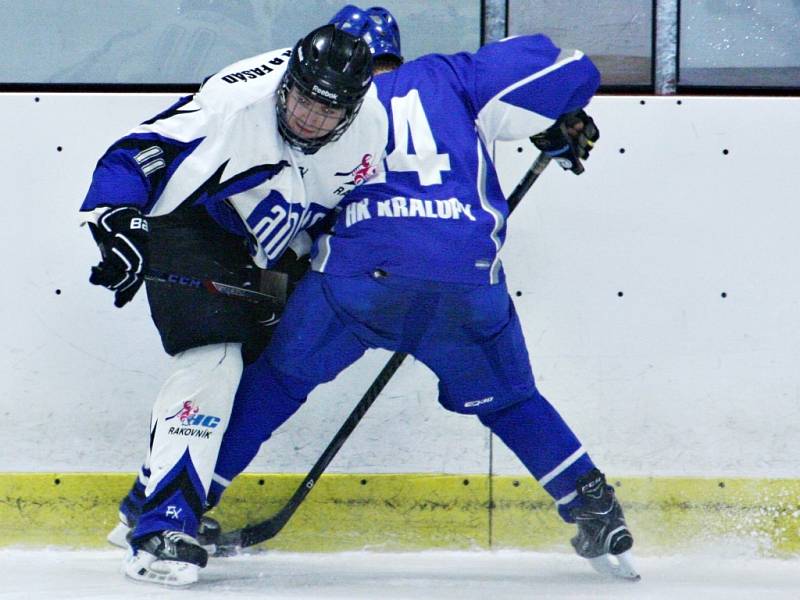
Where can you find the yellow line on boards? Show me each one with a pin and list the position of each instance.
(420, 511)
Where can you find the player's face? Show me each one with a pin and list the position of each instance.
(308, 118)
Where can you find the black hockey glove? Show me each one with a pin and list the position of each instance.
(122, 234)
(279, 282)
(294, 266)
(569, 140)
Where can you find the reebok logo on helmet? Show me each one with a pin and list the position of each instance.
(318, 90)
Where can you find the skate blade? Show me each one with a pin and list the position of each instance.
(144, 567)
(225, 550)
(619, 566)
(117, 536)
(229, 544)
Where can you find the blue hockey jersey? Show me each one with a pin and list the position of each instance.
(436, 211)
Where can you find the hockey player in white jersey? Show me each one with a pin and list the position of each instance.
(220, 181)
(378, 27)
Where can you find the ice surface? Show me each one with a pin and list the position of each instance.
(480, 575)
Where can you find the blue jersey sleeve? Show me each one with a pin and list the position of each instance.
(532, 73)
(438, 212)
(117, 181)
(520, 85)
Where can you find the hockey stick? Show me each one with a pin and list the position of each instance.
(212, 287)
(250, 535)
(530, 177)
(231, 542)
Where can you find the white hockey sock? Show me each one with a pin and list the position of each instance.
(193, 410)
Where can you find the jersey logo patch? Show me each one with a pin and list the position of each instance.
(362, 172)
(188, 410)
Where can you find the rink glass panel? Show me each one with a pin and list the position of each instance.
(184, 41)
(617, 35)
(738, 43)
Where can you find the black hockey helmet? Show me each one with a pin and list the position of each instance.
(329, 66)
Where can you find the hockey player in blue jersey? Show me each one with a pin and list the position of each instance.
(412, 266)
(223, 180)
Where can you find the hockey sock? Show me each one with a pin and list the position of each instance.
(264, 401)
(188, 422)
(545, 444)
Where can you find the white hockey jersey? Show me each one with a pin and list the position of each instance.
(221, 148)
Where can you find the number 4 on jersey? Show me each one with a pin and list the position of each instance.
(408, 117)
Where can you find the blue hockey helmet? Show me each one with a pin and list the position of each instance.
(376, 25)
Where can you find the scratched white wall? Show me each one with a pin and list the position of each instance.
(658, 293)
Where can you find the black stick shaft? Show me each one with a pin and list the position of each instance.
(532, 174)
(269, 528)
(210, 286)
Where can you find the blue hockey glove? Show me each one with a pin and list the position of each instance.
(569, 140)
(122, 234)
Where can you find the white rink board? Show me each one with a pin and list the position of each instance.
(670, 378)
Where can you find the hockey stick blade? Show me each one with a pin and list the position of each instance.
(212, 287)
(233, 541)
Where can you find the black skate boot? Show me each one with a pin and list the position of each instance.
(603, 536)
(166, 557)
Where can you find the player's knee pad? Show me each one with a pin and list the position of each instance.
(521, 410)
(202, 378)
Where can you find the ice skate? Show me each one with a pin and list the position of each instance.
(130, 507)
(166, 557)
(119, 535)
(603, 537)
